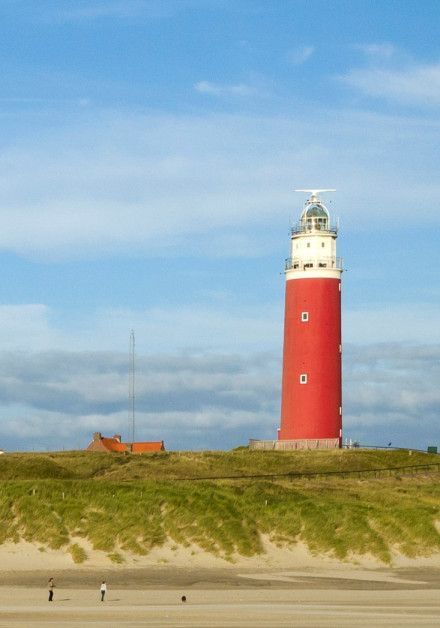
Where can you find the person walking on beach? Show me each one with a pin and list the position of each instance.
(103, 590)
(51, 587)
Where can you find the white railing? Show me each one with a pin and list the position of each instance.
(313, 263)
(306, 228)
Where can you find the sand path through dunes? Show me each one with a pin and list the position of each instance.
(257, 607)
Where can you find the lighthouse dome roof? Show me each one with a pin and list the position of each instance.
(314, 217)
(315, 210)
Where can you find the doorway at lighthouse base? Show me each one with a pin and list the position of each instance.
(288, 445)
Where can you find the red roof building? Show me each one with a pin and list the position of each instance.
(115, 444)
(141, 448)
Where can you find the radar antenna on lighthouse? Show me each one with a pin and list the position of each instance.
(315, 193)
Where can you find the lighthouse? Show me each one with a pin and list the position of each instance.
(311, 404)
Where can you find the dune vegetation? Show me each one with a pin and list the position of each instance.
(123, 503)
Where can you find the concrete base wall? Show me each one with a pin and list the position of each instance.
(287, 445)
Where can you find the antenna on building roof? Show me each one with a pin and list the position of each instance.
(131, 387)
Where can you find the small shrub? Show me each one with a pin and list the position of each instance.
(78, 553)
(116, 558)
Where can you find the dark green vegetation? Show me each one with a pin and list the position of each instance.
(134, 503)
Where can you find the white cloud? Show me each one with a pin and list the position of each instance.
(392, 323)
(298, 56)
(149, 184)
(414, 85)
(220, 327)
(202, 378)
(27, 327)
(391, 390)
(217, 89)
(195, 327)
(378, 51)
(56, 399)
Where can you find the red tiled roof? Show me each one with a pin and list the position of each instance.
(112, 444)
(148, 446)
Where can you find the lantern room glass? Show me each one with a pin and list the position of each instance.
(315, 217)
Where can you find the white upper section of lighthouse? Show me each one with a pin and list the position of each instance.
(313, 242)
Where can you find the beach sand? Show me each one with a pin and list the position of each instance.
(29, 556)
(215, 599)
(281, 588)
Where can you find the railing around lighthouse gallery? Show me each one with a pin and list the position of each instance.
(313, 263)
(307, 227)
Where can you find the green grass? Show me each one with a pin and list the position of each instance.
(170, 465)
(78, 553)
(116, 558)
(50, 498)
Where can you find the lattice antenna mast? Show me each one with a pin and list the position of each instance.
(131, 387)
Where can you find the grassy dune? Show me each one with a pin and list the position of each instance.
(75, 465)
(132, 503)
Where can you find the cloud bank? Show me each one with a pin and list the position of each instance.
(57, 398)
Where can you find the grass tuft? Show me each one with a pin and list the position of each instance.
(78, 553)
(116, 558)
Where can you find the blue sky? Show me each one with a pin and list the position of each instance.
(149, 151)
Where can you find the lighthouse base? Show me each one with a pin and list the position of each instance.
(288, 445)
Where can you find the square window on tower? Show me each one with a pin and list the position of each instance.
(303, 378)
(304, 317)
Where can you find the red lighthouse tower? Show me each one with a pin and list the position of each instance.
(311, 407)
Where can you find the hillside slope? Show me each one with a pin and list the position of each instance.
(206, 464)
(133, 504)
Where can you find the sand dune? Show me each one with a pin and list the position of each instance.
(29, 556)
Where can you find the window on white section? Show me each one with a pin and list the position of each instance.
(322, 244)
(303, 378)
(308, 244)
(304, 317)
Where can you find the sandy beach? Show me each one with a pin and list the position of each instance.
(301, 590)
(215, 599)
